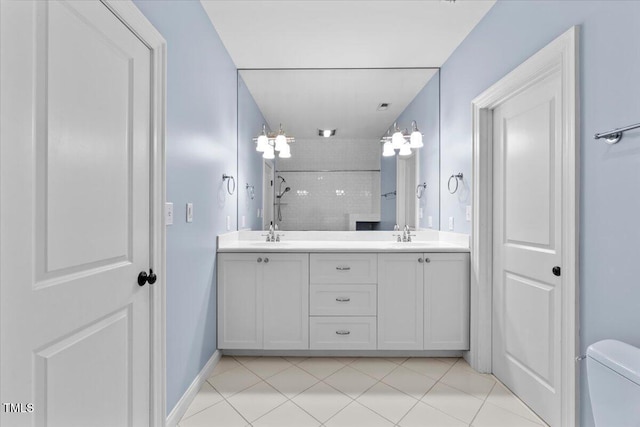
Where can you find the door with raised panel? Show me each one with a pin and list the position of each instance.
(400, 301)
(446, 301)
(74, 200)
(285, 295)
(240, 300)
(527, 244)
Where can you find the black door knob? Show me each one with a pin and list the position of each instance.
(556, 271)
(152, 277)
(144, 278)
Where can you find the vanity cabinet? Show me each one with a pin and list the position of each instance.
(263, 301)
(423, 301)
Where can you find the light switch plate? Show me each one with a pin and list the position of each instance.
(189, 212)
(450, 223)
(168, 213)
(421, 213)
(430, 221)
(468, 213)
(258, 213)
(228, 223)
(243, 221)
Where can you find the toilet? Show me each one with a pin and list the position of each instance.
(613, 370)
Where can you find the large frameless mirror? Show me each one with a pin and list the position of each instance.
(330, 173)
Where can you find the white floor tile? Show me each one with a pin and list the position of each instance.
(288, 414)
(428, 366)
(320, 367)
(396, 360)
(387, 401)
(225, 364)
(321, 401)
(265, 367)
(469, 382)
(220, 414)
(292, 381)
(346, 360)
(207, 396)
(410, 382)
(233, 381)
(245, 359)
(350, 381)
(377, 368)
(502, 397)
(423, 415)
(448, 360)
(356, 415)
(256, 401)
(294, 359)
(453, 402)
(494, 416)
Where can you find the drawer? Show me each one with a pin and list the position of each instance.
(343, 268)
(342, 333)
(342, 300)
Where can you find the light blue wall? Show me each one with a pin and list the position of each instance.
(425, 110)
(201, 146)
(610, 175)
(250, 120)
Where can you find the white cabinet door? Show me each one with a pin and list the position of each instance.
(400, 301)
(239, 301)
(285, 290)
(446, 301)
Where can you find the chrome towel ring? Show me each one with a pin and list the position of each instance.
(458, 178)
(420, 189)
(229, 180)
(251, 190)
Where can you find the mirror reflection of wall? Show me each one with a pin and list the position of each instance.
(338, 182)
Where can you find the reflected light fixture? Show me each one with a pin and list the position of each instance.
(269, 142)
(326, 133)
(402, 141)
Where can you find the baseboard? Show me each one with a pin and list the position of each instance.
(183, 404)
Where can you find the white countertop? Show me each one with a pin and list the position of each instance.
(348, 241)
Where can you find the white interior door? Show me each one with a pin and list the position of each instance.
(406, 182)
(527, 228)
(74, 200)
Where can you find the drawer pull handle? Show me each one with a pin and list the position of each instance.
(343, 299)
(343, 332)
(343, 268)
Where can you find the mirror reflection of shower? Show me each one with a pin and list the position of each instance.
(281, 193)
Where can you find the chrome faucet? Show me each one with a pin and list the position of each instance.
(273, 236)
(406, 234)
(399, 236)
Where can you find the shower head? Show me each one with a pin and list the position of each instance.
(282, 194)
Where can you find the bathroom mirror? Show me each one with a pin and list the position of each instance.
(339, 182)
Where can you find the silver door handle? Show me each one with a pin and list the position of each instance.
(343, 299)
(343, 268)
(343, 332)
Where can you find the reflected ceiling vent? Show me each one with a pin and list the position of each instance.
(327, 133)
(383, 106)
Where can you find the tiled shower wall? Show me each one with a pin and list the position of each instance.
(330, 179)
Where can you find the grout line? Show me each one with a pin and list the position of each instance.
(482, 406)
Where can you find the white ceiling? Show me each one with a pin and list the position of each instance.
(347, 100)
(350, 34)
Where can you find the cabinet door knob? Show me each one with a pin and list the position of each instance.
(266, 260)
(259, 260)
(427, 260)
(343, 332)
(420, 260)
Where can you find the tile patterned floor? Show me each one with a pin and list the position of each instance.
(353, 392)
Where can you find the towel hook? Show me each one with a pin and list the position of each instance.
(229, 179)
(458, 177)
(251, 190)
(420, 189)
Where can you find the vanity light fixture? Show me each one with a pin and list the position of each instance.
(403, 141)
(269, 142)
(326, 132)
